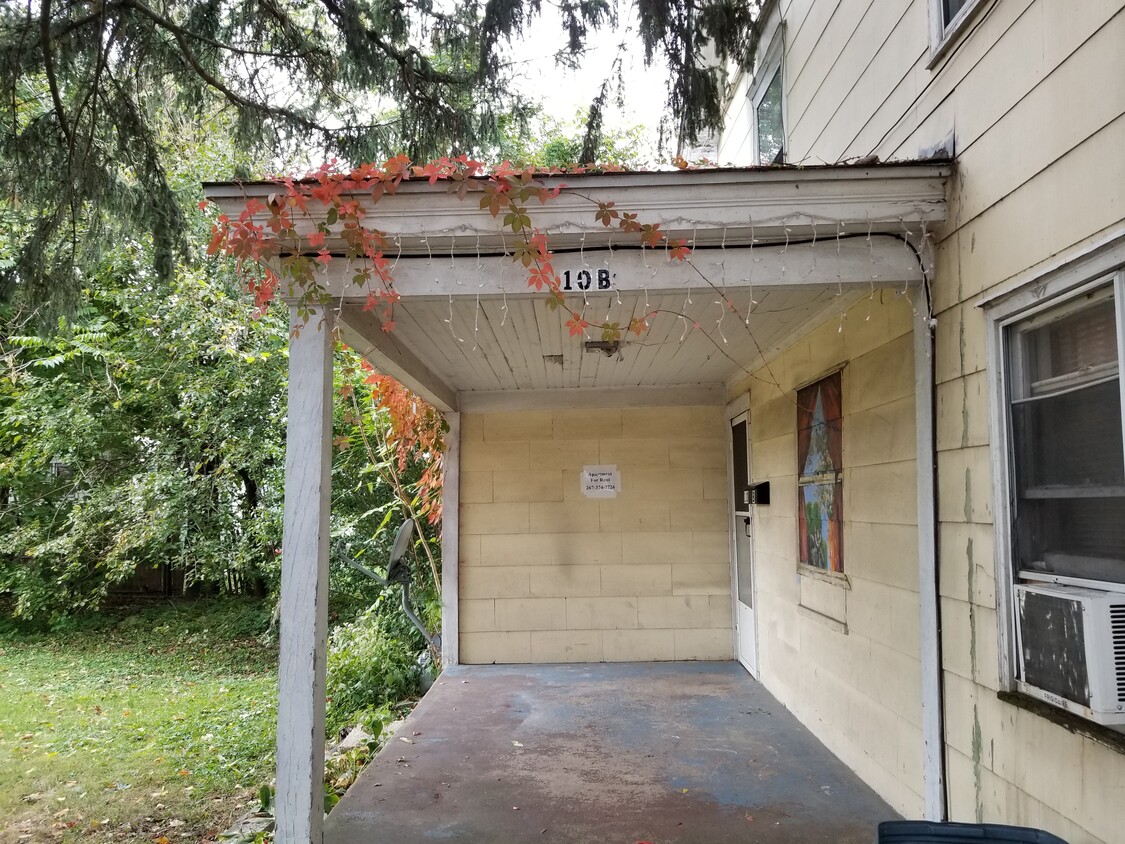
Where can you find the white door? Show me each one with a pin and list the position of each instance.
(742, 546)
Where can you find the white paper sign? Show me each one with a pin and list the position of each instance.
(600, 481)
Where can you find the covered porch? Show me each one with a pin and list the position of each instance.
(540, 568)
(662, 752)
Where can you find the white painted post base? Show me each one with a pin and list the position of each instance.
(450, 544)
(299, 803)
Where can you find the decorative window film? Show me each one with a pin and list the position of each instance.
(820, 485)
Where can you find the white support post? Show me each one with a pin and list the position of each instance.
(304, 582)
(933, 721)
(450, 543)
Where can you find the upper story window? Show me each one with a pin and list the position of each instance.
(948, 19)
(769, 126)
(1057, 349)
(767, 93)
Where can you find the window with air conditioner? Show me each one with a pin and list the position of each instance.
(1063, 517)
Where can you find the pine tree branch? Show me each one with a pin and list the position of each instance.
(410, 61)
(181, 36)
(49, 69)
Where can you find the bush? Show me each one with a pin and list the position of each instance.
(369, 666)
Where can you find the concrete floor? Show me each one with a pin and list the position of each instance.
(624, 753)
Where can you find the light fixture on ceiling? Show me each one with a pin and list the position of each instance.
(609, 348)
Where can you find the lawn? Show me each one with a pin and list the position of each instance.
(136, 727)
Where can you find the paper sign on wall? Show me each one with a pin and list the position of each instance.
(600, 481)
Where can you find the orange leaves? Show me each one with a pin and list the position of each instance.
(576, 324)
(639, 325)
(606, 214)
(286, 237)
(541, 276)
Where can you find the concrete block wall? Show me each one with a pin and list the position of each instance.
(842, 653)
(547, 575)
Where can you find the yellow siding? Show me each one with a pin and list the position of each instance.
(857, 687)
(1033, 92)
(548, 575)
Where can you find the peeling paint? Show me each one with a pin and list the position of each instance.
(964, 413)
(968, 494)
(972, 609)
(978, 746)
(961, 342)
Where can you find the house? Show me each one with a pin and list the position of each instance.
(1029, 100)
(870, 444)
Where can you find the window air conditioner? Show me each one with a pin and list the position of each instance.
(1071, 644)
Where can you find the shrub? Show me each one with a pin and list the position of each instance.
(368, 666)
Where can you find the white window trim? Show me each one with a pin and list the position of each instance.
(1061, 284)
(943, 35)
(770, 64)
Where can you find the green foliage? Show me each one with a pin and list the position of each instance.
(548, 142)
(372, 661)
(94, 95)
(146, 431)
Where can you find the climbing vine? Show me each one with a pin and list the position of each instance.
(271, 246)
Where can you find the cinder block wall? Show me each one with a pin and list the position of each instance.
(842, 653)
(547, 575)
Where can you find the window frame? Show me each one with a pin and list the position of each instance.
(837, 479)
(943, 33)
(1058, 289)
(769, 67)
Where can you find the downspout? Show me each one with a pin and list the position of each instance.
(933, 708)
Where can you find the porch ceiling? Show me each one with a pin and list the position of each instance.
(775, 252)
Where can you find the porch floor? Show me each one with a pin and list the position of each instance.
(624, 753)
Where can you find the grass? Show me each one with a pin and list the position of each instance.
(136, 727)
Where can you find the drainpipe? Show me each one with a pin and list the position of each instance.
(933, 719)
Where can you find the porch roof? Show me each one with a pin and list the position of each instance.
(775, 251)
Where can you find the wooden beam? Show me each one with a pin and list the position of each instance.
(304, 581)
(715, 206)
(363, 331)
(882, 261)
(586, 398)
(451, 545)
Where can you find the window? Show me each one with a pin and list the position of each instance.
(948, 19)
(767, 101)
(1056, 351)
(820, 485)
(768, 126)
(1068, 472)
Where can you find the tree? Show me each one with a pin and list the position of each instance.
(85, 84)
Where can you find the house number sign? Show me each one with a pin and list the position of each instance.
(588, 279)
(600, 481)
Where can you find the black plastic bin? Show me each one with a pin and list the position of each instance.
(927, 832)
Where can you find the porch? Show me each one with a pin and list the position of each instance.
(663, 752)
(592, 508)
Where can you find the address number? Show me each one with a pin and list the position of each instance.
(599, 279)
